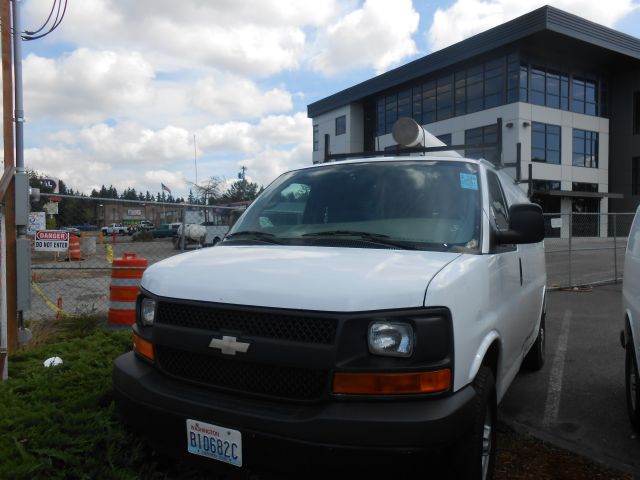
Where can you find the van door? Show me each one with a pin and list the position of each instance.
(506, 289)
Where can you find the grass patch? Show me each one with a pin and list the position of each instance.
(59, 422)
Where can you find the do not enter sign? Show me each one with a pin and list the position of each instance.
(52, 241)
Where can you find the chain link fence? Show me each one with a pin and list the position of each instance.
(581, 248)
(76, 281)
(585, 248)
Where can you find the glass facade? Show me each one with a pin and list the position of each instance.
(490, 84)
(585, 148)
(545, 143)
(482, 135)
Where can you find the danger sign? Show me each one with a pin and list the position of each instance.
(52, 241)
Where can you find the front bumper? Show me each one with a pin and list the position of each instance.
(343, 429)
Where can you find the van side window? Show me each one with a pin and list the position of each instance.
(499, 209)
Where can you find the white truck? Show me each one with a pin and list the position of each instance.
(116, 228)
(378, 322)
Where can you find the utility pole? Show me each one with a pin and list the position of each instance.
(10, 343)
(241, 175)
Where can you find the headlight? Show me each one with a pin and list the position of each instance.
(147, 311)
(391, 339)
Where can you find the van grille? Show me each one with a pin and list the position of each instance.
(247, 377)
(295, 328)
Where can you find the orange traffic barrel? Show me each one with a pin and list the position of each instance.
(126, 273)
(74, 248)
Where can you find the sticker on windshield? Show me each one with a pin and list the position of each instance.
(468, 181)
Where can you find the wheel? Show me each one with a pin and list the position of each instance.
(474, 456)
(534, 360)
(631, 383)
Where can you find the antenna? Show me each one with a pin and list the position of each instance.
(195, 157)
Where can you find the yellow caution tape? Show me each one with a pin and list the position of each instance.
(109, 249)
(49, 303)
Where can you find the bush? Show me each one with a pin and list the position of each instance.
(143, 236)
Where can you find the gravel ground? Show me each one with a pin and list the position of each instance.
(521, 457)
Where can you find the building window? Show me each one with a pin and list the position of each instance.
(404, 103)
(585, 148)
(391, 112)
(493, 83)
(429, 102)
(481, 136)
(341, 125)
(315, 138)
(584, 187)
(445, 138)
(584, 96)
(545, 186)
(549, 88)
(545, 143)
(417, 104)
(636, 113)
(635, 176)
(444, 98)
(380, 110)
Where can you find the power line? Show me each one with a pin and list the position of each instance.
(28, 35)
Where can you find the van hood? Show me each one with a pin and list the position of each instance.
(299, 277)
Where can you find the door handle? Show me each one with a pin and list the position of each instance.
(520, 262)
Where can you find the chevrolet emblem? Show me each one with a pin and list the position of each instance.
(229, 345)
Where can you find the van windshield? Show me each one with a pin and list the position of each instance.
(423, 205)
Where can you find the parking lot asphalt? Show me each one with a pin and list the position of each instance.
(577, 401)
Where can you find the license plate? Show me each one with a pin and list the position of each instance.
(215, 442)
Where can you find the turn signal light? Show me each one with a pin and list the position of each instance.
(142, 347)
(392, 383)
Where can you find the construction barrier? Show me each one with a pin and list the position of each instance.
(74, 248)
(126, 273)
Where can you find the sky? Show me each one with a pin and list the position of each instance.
(139, 93)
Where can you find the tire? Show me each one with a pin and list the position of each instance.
(534, 360)
(474, 456)
(631, 385)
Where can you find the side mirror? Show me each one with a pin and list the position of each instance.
(526, 225)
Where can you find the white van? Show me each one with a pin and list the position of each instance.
(631, 308)
(374, 308)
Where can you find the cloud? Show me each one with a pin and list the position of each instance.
(130, 155)
(246, 37)
(86, 86)
(230, 96)
(377, 35)
(468, 17)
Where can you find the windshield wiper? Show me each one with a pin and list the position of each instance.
(378, 238)
(259, 236)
